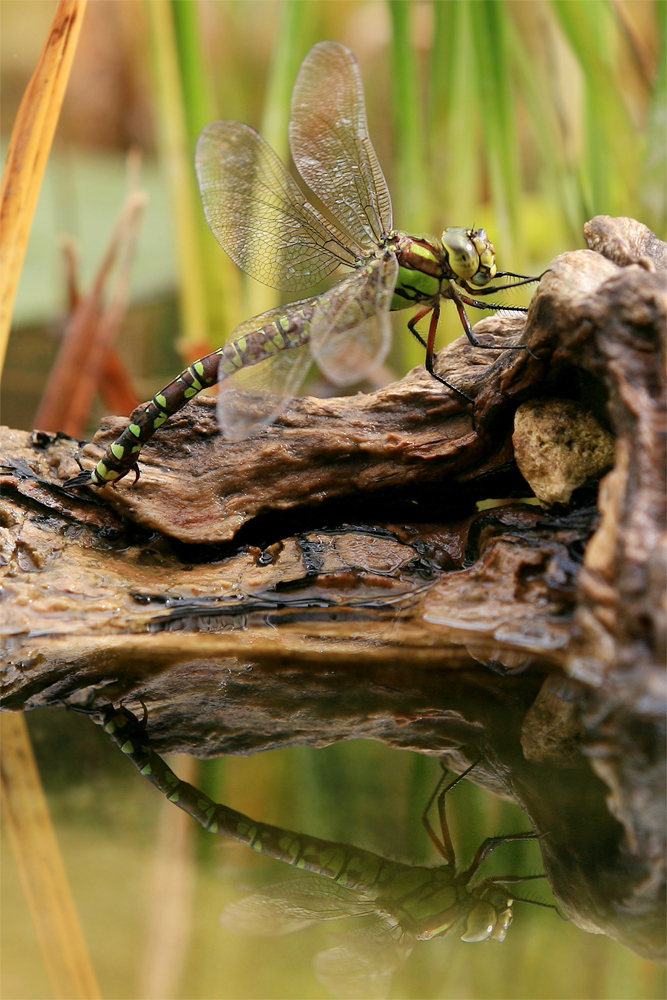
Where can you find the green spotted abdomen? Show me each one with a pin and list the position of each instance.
(348, 866)
(248, 349)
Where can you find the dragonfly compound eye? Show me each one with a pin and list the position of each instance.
(470, 254)
(462, 255)
(480, 924)
(504, 920)
(487, 257)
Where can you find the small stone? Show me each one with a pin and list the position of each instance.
(559, 446)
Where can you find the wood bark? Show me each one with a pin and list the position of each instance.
(334, 577)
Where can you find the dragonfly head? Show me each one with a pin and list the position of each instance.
(470, 254)
(485, 921)
(486, 915)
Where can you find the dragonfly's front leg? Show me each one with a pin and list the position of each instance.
(459, 301)
(445, 846)
(492, 289)
(489, 845)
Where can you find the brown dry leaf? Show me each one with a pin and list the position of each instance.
(82, 357)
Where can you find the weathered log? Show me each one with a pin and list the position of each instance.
(332, 577)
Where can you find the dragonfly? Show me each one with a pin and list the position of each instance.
(264, 221)
(400, 903)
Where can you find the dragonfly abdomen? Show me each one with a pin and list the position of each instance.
(121, 456)
(349, 866)
(282, 334)
(244, 351)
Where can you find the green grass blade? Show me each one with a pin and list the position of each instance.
(177, 158)
(613, 146)
(221, 280)
(286, 55)
(454, 174)
(653, 185)
(496, 107)
(548, 117)
(410, 185)
(199, 103)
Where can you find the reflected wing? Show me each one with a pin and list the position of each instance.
(363, 962)
(350, 332)
(330, 144)
(258, 214)
(290, 906)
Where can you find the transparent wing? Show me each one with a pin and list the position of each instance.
(254, 397)
(258, 214)
(347, 329)
(330, 144)
(362, 963)
(255, 394)
(350, 332)
(291, 906)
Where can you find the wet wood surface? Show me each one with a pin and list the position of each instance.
(333, 577)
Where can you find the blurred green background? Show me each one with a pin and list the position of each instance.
(525, 118)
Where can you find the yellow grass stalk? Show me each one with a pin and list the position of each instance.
(29, 149)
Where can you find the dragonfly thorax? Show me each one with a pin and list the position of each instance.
(427, 264)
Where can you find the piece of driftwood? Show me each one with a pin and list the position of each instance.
(332, 577)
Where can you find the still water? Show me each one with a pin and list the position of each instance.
(150, 886)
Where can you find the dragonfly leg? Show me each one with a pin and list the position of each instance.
(510, 879)
(459, 300)
(503, 307)
(445, 846)
(490, 844)
(412, 323)
(526, 278)
(545, 906)
(491, 289)
(429, 344)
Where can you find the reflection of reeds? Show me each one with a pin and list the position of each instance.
(362, 792)
(43, 877)
(169, 898)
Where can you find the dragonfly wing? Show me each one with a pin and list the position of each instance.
(350, 331)
(362, 963)
(254, 397)
(330, 144)
(258, 214)
(290, 906)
